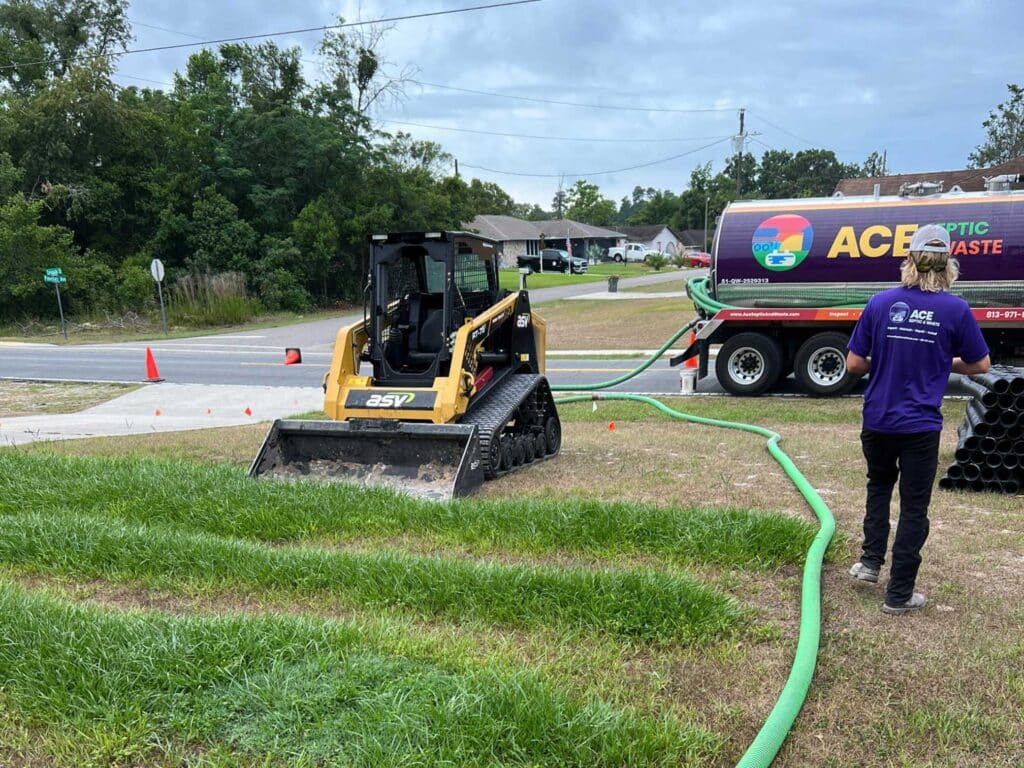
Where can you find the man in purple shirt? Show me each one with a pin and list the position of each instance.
(909, 338)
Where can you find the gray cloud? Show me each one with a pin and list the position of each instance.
(915, 78)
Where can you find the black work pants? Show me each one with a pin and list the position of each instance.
(912, 459)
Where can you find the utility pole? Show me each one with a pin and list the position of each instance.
(885, 171)
(741, 139)
(456, 167)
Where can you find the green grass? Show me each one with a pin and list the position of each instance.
(648, 604)
(509, 279)
(298, 692)
(152, 331)
(751, 410)
(221, 500)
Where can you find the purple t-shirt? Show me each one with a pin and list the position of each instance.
(912, 337)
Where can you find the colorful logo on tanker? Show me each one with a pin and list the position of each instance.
(782, 242)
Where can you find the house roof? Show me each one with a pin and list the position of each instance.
(647, 232)
(510, 228)
(972, 180)
(561, 228)
(504, 228)
(694, 237)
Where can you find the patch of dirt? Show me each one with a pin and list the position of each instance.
(30, 398)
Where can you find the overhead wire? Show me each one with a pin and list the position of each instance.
(280, 33)
(596, 173)
(587, 139)
(558, 102)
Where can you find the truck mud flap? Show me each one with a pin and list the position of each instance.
(433, 461)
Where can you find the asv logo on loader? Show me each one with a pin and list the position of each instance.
(390, 400)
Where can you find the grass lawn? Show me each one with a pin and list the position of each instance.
(509, 278)
(27, 398)
(613, 324)
(670, 286)
(631, 602)
(151, 330)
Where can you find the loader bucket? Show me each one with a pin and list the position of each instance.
(434, 461)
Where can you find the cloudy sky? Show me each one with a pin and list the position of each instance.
(652, 83)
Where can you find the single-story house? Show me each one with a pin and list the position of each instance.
(518, 237)
(657, 237)
(697, 239)
(970, 180)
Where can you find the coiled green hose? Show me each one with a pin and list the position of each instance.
(769, 739)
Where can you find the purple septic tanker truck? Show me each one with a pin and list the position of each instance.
(795, 274)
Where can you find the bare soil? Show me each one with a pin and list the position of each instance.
(29, 398)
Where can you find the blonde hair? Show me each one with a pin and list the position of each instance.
(931, 280)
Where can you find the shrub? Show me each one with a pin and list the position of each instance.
(280, 289)
(679, 260)
(656, 261)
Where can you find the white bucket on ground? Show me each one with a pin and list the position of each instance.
(688, 381)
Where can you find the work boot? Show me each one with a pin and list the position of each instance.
(862, 572)
(916, 602)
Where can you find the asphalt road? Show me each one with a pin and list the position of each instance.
(256, 358)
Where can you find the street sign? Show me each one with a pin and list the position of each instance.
(54, 279)
(156, 269)
(53, 272)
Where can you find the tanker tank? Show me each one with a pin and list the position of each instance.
(839, 251)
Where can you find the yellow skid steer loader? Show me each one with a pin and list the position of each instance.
(440, 385)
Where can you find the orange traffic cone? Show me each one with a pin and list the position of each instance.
(292, 356)
(692, 362)
(152, 374)
(248, 411)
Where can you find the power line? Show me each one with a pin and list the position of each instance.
(617, 107)
(164, 29)
(282, 33)
(553, 138)
(597, 173)
(764, 120)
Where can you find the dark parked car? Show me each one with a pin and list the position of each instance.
(555, 260)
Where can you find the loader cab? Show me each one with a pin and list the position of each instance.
(423, 287)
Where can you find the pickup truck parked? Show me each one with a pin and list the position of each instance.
(555, 260)
(630, 252)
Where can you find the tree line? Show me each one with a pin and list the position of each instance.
(244, 167)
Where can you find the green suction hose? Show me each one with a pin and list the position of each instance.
(769, 739)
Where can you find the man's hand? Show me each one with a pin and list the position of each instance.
(970, 369)
(858, 365)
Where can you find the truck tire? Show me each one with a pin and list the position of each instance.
(618, 258)
(820, 365)
(749, 364)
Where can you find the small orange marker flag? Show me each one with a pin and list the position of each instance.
(157, 412)
(209, 411)
(611, 426)
(248, 411)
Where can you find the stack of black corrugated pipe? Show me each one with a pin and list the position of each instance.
(990, 451)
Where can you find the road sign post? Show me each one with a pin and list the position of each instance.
(56, 276)
(156, 269)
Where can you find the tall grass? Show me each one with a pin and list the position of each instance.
(222, 501)
(646, 604)
(211, 300)
(297, 691)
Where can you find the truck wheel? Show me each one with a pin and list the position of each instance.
(618, 258)
(820, 365)
(749, 364)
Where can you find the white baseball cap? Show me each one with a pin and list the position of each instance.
(924, 236)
